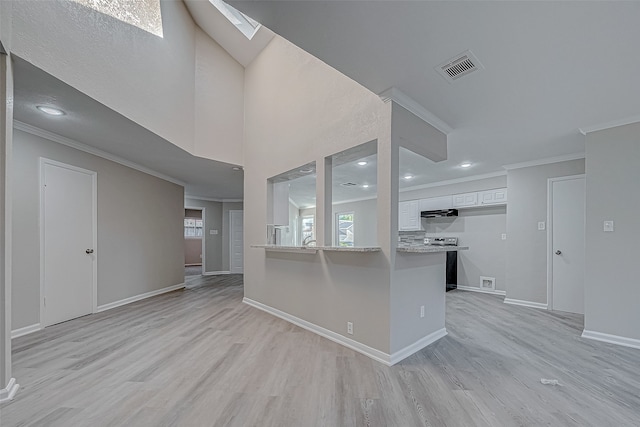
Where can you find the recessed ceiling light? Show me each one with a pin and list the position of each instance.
(307, 170)
(362, 163)
(408, 177)
(465, 165)
(365, 185)
(50, 110)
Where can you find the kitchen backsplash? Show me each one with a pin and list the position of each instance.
(411, 238)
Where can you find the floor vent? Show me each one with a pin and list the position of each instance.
(488, 283)
(459, 66)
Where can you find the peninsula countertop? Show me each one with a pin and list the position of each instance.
(426, 249)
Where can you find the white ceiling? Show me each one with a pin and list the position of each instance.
(95, 125)
(550, 67)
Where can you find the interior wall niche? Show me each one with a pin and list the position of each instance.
(291, 202)
(354, 178)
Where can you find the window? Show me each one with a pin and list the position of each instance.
(192, 227)
(344, 229)
(308, 229)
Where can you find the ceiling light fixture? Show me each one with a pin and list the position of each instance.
(50, 110)
(365, 185)
(408, 177)
(236, 168)
(307, 170)
(362, 163)
(465, 165)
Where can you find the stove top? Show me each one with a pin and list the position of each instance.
(441, 241)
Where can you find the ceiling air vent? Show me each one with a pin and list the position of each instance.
(459, 66)
(348, 184)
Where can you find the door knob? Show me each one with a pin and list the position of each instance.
(89, 251)
(558, 252)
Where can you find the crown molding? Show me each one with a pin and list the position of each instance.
(609, 125)
(454, 181)
(33, 130)
(212, 199)
(404, 100)
(544, 161)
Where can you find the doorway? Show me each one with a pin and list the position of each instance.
(68, 241)
(194, 241)
(566, 237)
(236, 242)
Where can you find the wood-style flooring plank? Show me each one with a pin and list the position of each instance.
(199, 357)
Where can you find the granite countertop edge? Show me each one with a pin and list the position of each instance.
(430, 249)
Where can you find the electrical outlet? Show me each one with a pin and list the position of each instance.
(422, 311)
(350, 328)
(541, 225)
(608, 226)
(504, 236)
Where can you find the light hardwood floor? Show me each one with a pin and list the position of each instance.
(200, 357)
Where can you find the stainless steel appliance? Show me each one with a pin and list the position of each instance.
(451, 275)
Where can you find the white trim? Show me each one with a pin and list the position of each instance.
(25, 331)
(230, 233)
(371, 352)
(612, 339)
(94, 225)
(550, 182)
(417, 346)
(330, 335)
(91, 150)
(146, 295)
(9, 392)
(405, 101)
(608, 125)
(212, 199)
(524, 303)
(545, 161)
(455, 181)
(484, 291)
(215, 273)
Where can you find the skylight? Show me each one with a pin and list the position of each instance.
(245, 24)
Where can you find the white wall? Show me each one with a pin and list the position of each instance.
(140, 230)
(182, 86)
(526, 245)
(612, 286)
(365, 221)
(299, 110)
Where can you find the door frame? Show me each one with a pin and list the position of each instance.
(550, 182)
(94, 225)
(204, 234)
(231, 212)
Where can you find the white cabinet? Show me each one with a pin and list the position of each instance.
(409, 216)
(493, 197)
(465, 200)
(436, 203)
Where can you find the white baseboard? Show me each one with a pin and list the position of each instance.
(129, 300)
(484, 291)
(9, 392)
(25, 331)
(525, 303)
(215, 273)
(371, 352)
(612, 339)
(417, 346)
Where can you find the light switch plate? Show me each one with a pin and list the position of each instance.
(541, 225)
(608, 226)
(213, 231)
(504, 236)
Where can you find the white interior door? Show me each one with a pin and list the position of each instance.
(236, 241)
(67, 242)
(568, 222)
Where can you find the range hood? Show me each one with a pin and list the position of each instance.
(439, 213)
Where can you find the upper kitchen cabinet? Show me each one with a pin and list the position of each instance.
(409, 216)
(497, 196)
(465, 200)
(436, 203)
